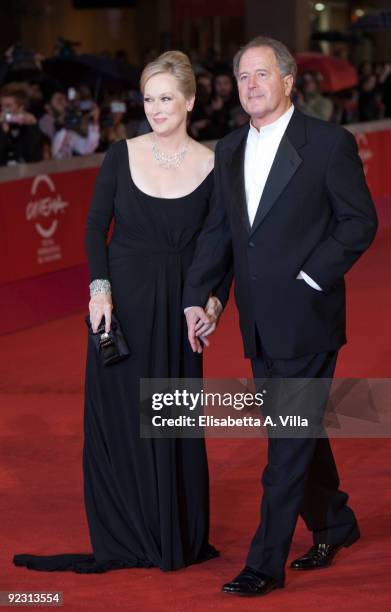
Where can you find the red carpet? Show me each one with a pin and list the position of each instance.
(41, 482)
(32, 301)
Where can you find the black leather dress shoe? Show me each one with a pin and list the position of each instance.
(321, 555)
(251, 583)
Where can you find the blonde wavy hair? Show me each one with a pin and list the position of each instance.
(175, 63)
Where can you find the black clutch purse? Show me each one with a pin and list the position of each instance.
(112, 347)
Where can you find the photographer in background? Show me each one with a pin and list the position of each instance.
(224, 100)
(113, 124)
(20, 137)
(310, 99)
(78, 131)
(54, 117)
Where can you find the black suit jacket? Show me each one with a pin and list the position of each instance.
(315, 214)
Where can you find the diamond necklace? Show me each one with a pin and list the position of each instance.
(169, 161)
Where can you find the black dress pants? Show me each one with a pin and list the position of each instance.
(300, 478)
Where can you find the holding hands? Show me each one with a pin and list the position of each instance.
(202, 322)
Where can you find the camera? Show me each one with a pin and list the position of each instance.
(71, 94)
(118, 107)
(72, 119)
(85, 106)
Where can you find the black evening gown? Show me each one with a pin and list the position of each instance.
(147, 500)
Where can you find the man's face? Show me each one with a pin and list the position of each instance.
(263, 92)
(223, 86)
(9, 104)
(205, 83)
(59, 102)
(310, 85)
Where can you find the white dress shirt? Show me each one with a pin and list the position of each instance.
(66, 142)
(261, 149)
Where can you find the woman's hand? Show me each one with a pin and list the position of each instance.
(213, 309)
(100, 305)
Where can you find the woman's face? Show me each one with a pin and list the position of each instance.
(165, 105)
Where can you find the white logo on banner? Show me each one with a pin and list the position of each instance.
(41, 211)
(363, 149)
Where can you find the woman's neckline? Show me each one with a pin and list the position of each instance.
(148, 195)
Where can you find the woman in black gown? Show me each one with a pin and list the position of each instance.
(147, 500)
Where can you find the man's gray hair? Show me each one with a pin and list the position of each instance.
(285, 59)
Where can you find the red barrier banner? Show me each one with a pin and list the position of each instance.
(43, 223)
(375, 152)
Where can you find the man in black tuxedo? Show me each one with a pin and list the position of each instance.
(292, 206)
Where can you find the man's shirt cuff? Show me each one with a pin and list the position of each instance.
(309, 280)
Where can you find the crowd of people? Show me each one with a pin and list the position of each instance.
(41, 123)
(68, 123)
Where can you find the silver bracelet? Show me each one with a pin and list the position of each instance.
(100, 285)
